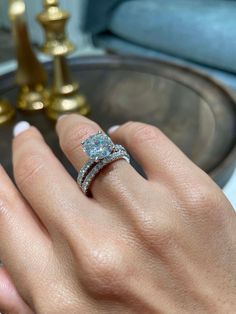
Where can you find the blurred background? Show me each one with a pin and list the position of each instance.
(197, 34)
(78, 35)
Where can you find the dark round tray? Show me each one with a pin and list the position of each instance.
(196, 112)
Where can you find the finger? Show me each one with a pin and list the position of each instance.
(45, 183)
(71, 218)
(72, 130)
(160, 158)
(24, 241)
(10, 300)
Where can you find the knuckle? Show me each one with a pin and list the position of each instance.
(201, 197)
(106, 271)
(27, 167)
(73, 136)
(159, 234)
(205, 202)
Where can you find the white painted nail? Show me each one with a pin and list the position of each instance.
(113, 129)
(62, 117)
(20, 127)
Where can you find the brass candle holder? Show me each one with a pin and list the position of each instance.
(65, 96)
(6, 111)
(30, 74)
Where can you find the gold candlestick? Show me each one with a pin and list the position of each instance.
(65, 96)
(30, 74)
(6, 111)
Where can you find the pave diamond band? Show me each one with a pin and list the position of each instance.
(99, 166)
(91, 162)
(101, 152)
(84, 171)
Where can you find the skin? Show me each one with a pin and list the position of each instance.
(165, 244)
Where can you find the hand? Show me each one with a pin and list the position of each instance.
(165, 244)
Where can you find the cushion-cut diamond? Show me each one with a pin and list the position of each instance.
(98, 146)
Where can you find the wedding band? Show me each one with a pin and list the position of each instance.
(101, 151)
(91, 163)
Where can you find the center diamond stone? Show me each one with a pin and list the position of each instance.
(98, 146)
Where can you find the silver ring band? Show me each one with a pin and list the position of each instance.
(101, 152)
(91, 162)
(99, 166)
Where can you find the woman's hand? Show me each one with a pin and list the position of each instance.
(165, 244)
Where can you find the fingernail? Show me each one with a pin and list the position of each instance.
(113, 129)
(62, 117)
(20, 127)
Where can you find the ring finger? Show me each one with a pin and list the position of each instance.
(117, 180)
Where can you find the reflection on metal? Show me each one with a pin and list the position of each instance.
(30, 74)
(65, 96)
(6, 111)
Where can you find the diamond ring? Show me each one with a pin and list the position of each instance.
(101, 151)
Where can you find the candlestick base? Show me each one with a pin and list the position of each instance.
(33, 98)
(65, 95)
(66, 103)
